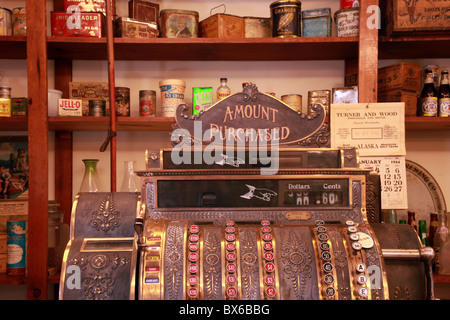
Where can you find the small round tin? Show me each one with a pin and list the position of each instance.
(286, 19)
(178, 23)
(147, 103)
(347, 22)
(293, 100)
(5, 22)
(97, 108)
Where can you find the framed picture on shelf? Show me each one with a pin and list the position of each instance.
(13, 168)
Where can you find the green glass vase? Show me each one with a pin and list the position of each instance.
(91, 180)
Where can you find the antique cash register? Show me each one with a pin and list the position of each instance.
(250, 203)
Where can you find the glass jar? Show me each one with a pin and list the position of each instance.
(58, 236)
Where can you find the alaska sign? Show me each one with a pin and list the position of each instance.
(251, 117)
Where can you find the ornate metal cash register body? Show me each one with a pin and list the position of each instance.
(233, 226)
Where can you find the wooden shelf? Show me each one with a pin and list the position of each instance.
(165, 124)
(414, 47)
(245, 49)
(441, 278)
(12, 280)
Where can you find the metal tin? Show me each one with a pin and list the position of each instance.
(122, 101)
(322, 97)
(345, 4)
(347, 22)
(293, 100)
(16, 247)
(130, 28)
(221, 25)
(172, 95)
(19, 107)
(316, 23)
(97, 108)
(19, 21)
(178, 23)
(345, 95)
(90, 6)
(201, 99)
(286, 18)
(5, 101)
(5, 22)
(256, 27)
(147, 103)
(91, 24)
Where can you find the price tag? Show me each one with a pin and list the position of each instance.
(392, 172)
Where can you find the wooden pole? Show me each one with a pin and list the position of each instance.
(112, 94)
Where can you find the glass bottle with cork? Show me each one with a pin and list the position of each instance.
(444, 95)
(428, 106)
(223, 91)
(440, 239)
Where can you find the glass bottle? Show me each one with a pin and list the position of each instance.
(402, 221)
(58, 236)
(444, 95)
(223, 91)
(423, 233)
(91, 180)
(391, 216)
(412, 219)
(428, 106)
(434, 223)
(130, 180)
(439, 239)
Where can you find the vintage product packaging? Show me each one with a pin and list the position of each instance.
(19, 21)
(19, 107)
(401, 76)
(256, 27)
(122, 101)
(345, 95)
(147, 103)
(222, 26)
(5, 22)
(70, 107)
(286, 18)
(322, 97)
(89, 24)
(345, 4)
(3, 256)
(89, 91)
(172, 95)
(5, 107)
(90, 5)
(406, 96)
(16, 247)
(316, 22)
(413, 17)
(178, 23)
(131, 28)
(144, 11)
(201, 99)
(347, 22)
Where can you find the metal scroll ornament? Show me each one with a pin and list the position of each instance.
(106, 217)
(251, 118)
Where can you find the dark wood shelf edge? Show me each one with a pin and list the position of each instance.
(5, 279)
(165, 124)
(438, 278)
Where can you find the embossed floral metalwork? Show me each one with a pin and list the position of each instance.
(106, 218)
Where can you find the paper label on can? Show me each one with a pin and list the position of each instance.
(16, 244)
(5, 107)
(171, 97)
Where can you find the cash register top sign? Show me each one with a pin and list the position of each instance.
(252, 118)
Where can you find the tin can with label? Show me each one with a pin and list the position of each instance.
(201, 99)
(19, 107)
(97, 108)
(347, 22)
(345, 4)
(293, 100)
(16, 247)
(5, 22)
(286, 18)
(122, 102)
(172, 95)
(19, 21)
(147, 103)
(178, 23)
(5, 101)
